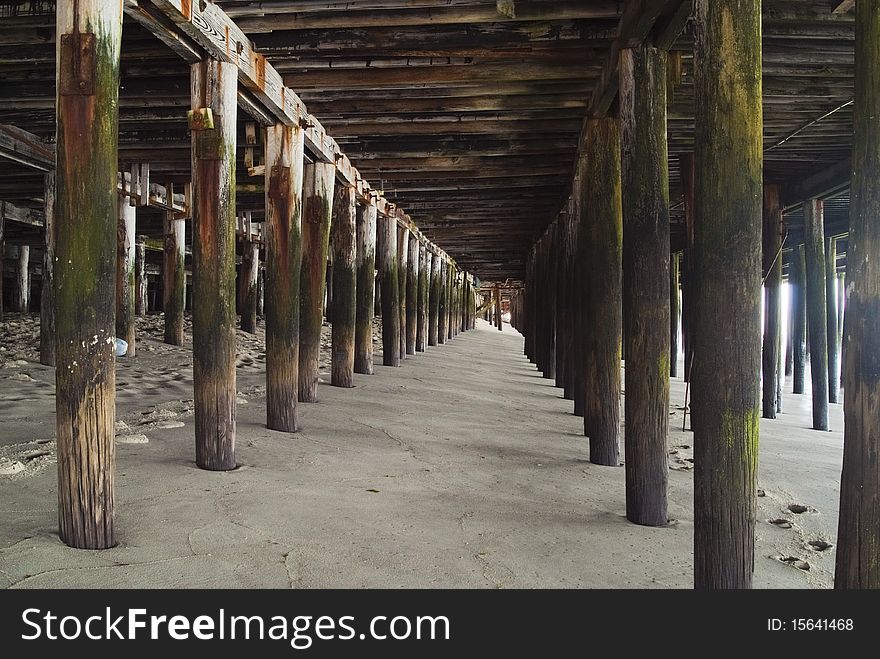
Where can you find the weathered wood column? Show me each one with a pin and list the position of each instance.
(601, 224)
(344, 228)
(727, 279)
(249, 278)
(174, 278)
(365, 288)
(443, 289)
(798, 303)
(86, 205)
(772, 271)
(858, 550)
(2, 258)
(817, 324)
(317, 212)
(422, 310)
(214, 87)
(686, 272)
(434, 299)
(125, 276)
(390, 293)
(674, 312)
(645, 186)
(451, 272)
(499, 323)
(402, 268)
(412, 293)
(831, 319)
(140, 276)
(47, 294)
(23, 279)
(284, 187)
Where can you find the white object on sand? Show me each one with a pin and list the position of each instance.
(121, 347)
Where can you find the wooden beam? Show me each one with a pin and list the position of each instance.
(844, 6)
(22, 147)
(30, 216)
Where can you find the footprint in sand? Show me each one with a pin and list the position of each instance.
(780, 522)
(794, 561)
(819, 545)
(798, 509)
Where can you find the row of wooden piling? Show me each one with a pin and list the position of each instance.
(602, 280)
(426, 298)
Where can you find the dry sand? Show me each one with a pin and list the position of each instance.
(462, 468)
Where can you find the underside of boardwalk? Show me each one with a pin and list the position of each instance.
(463, 468)
(440, 292)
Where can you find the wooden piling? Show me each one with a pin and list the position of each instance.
(434, 299)
(248, 281)
(442, 290)
(344, 228)
(798, 304)
(772, 272)
(47, 294)
(284, 188)
(817, 324)
(858, 549)
(140, 276)
(686, 271)
(365, 288)
(125, 278)
(412, 293)
(402, 288)
(214, 87)
(727, 282)
(86, 206)
(390, 293)
(831, 319)
(174, 279)
(674, 312)
(23, 279)
(601, 322)
(422, 308)
(318, 183)
(646, 309)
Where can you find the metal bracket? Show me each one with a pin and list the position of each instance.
(279, 182)
(78, 64)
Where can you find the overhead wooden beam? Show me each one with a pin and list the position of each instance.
(453, 15)
(22, 147)
(12, 213)
(844, 6)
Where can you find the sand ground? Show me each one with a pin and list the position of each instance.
(461, 468)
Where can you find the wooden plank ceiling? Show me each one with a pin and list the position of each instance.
(465, 112)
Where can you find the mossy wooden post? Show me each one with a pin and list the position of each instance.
(390, 294)
(89, 32)
(817, 323)
(551, 262)
(674, 312)
(125, 280)
(858, 549)
(327, 309)
(727, 283)
(841, 312)
(645, 195)
(602, 225)
(140, 276)
(248, 282)
(798, 302)
(688, 183)
(433, 297)
(283, 236)
(402, 267)
(442, 290)
(365, 288)
(562, 302)
(344, 228)
(772, 270)
(499, 323)
(451, 274)
(831, 319)
(214, 87)
(2, 268)
(318, 180)
(412, 293)
(23, 279)
(47, 294)
(422, 294)
(174, 279)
